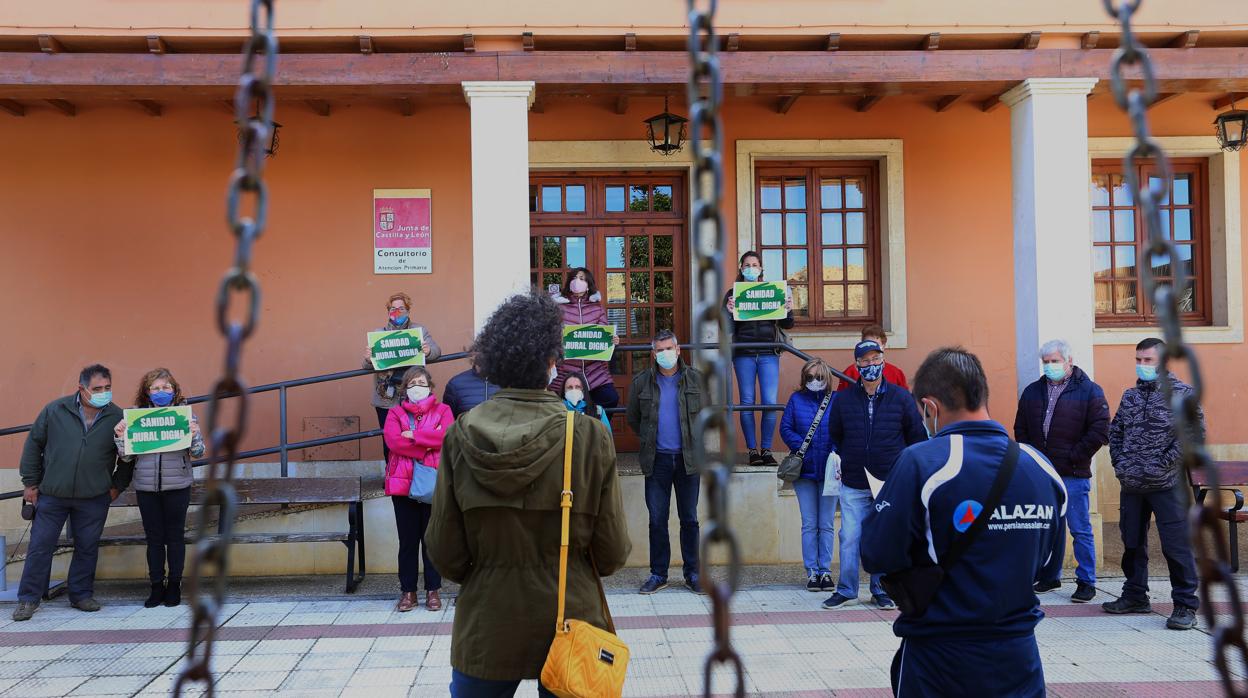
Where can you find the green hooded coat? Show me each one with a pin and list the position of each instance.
(495, 529)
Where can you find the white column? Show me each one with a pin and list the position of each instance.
(500, 186)
(1053, 291)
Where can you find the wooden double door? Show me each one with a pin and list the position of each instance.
(628, 229)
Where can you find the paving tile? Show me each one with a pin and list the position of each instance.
(113, 685)
(35, 652)
(402, 643)
(101, 651)
(267, 662)
(317, 679)
(435, 676)
(247, 620)
(391, 676)
(20, 670)
(282, 646)
(331, 660)
(251, 681)
(406, 658)
(342, 644)
(365, 618)
(308, 619)
(225, 647)
(376, 692)
(72, 667)
(134, 666)
(36, 688)
(157, 649)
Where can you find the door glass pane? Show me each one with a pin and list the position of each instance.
(1100, 226)
(532, 198)
(551, 199)
(663, 287)
(801, 301)
(1182, 190)
(834, 301)
(1121, 191)
(662, 197)
(639, 287)
(1124, 225)
(857, 300)
(1154, 183)
(856, 265)
(576, 252)
(639, 251)
(639, 321)
(575, 194)
(796, 268)
(663, 251)
(615, 197)
(771, 229)
(1100, 262)
(833, 265)
(795, 228)
(552, 253)
(1124, 297)
(637, 198)
(1100, 190)
(615, 252)
(855, 233)
(1182, 224)
(641, 361)
(794, 193)
(1186, 262)
(616, 292)
(853, 192)
(1187, 296)
(617, 316)
(773, 264)
(664, 319)
(830, 193)
(832, 228)
(769, 194)
(1124, 261)
(1104, 305)
(552, 278)
(1165, 223)
(1161, 265)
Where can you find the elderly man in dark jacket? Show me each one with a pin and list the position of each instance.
(1065, 416)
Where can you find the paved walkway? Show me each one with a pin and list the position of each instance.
(361, 647)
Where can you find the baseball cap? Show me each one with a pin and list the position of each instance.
(865, 347)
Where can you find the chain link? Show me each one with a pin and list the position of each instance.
(1211, 549)
(714, 449)
(239, 291)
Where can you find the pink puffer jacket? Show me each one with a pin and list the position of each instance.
(583, 311)
(428, 421)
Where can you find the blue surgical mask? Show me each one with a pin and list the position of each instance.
(1054, 372)
(666, 359)
(871, 373)
(101, 399)
(1146, 373)
(161, 398)
(751, 273)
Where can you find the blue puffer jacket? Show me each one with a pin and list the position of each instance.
(466, 390)
(798, 414)
(872, 443)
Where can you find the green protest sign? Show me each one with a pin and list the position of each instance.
(588, 342)
(759, 300)
(157, 430)
(396, 348)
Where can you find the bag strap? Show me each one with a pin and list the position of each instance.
(1004, 474)
(565, 506)
(814, 424)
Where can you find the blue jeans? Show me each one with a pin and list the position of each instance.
(817, 527)
(1079, 522)
(668, 474)
(765, 368)
(465, 686)
(86, 523)
(854, 506)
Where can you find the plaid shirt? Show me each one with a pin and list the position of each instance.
(1055, 391)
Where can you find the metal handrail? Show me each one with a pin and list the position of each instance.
(284, 446)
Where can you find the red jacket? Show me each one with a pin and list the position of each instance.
(583, 311)
(428, 421)
(892, 374)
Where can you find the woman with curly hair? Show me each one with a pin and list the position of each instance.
(162, 484)
(496, 517)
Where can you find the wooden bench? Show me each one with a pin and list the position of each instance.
(1233, 478)
(281, 490)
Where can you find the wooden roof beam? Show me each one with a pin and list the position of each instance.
(1031, 41)
(366, 45)
(1089, 40)
(526, 41)
(630, 42)
(157, 45)
(946, 102)
(931, 42)
(64, 107)
(1187, 39)
(1164, 97)
(991, 104)
(406, 106)
(786, 103)
(470, 43)
(1225, 100)
(867, 102)
(50, 44)
(320, 106)
(621, 104)
(150, 106)
(834, 42)
(13, 107)
(733, 42)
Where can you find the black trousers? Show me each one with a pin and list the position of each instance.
(1170, 509)
(381, 422)
(411, 518)
(164, 525)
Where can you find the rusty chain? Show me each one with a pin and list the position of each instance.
(1211, 549)
(253, 112)
(714, 447)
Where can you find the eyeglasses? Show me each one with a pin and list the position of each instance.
(870, 362)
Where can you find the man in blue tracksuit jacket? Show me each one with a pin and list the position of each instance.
(977, 638)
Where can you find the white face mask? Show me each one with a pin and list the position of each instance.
(417, 393)
(574, 396)
(816, 386)
(554, 373)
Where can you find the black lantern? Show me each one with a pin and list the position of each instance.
(273, 140)
(666, 131)
(1231, 127)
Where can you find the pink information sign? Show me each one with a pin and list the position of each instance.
(402, 234)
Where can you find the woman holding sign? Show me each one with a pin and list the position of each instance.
(759, 367)
(414, 430)
(581, 304)
(162, 482)
(388, 385)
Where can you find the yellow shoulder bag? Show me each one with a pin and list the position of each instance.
(584, 661)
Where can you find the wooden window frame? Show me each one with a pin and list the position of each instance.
(1198, 169)
(813, 171)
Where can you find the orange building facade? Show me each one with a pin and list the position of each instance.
(947, 171)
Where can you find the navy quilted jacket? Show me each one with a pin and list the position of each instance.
(798, 414)
(1143, 446)
(1079, 428)
(868, 442)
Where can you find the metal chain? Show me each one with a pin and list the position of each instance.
(253, 113)
(1211, 549)
(714, 449)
